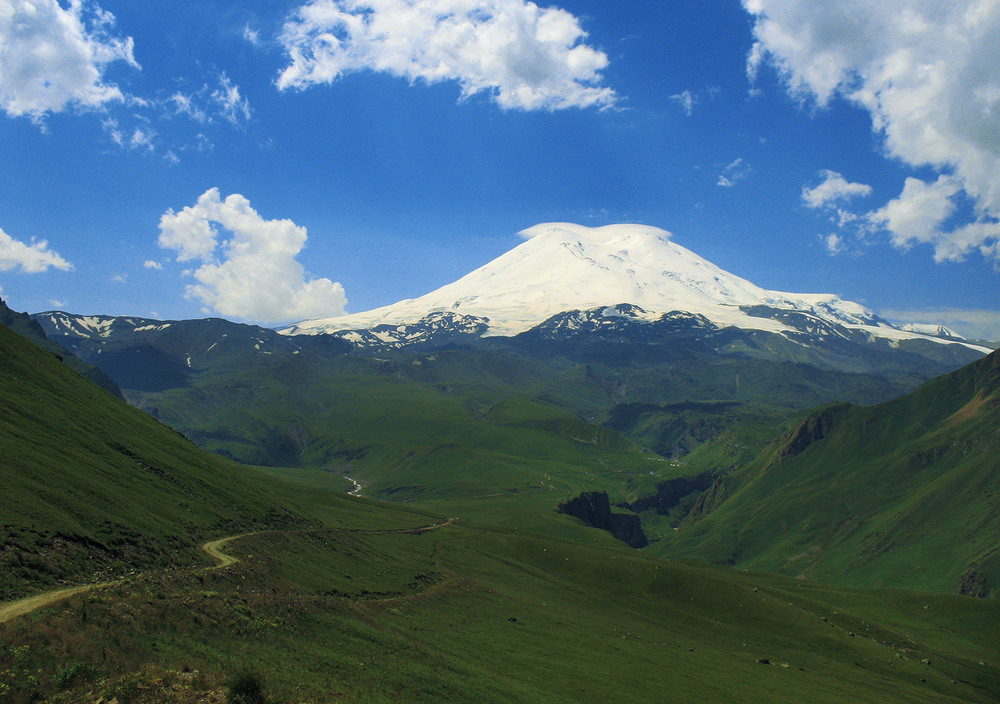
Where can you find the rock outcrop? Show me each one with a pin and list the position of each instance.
(594, 509)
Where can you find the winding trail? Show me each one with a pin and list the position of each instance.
(12, 609)
(214, 549)
(356, 491)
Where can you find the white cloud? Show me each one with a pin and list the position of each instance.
(523, 56)
(119, 278)
(143, 139)
(207, 104)
(918, 213)
(686, 100)
(233, 106)
(919, 216)
(926, 72)
(53, 58)
(254, 273)
(834, 188)
(734, 173)
(152, 264)
(33, 258)
(186, 105)
(834, 243)
(251, 35)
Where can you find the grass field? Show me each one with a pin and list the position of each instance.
(473, 615)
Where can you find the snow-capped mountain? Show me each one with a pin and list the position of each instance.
(564, 267)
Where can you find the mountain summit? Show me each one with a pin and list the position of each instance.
(565, 267)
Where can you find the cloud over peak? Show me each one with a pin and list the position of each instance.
(523, 56)
(254, 274)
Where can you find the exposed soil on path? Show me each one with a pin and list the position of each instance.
(214, 548)
(12, 609)
(20, 607)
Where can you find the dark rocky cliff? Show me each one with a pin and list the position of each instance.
(594, 509)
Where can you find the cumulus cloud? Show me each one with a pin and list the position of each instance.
(523, 56)
(926, 72)
(53, 58)
(734, 173)
(152, 264)
(834, 188)
(250, 271)
(918, 213)
(33, 258)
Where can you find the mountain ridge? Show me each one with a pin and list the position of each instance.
(563, 267)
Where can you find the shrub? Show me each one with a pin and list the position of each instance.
(247, 687)
(72, 674)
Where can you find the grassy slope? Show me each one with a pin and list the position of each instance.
(905, 493)
(93, 486)
(408, 439)
(462, 614)
(334, 607)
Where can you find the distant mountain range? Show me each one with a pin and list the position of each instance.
(852, 493)
(611, 324)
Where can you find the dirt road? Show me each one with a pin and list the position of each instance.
(12, 609)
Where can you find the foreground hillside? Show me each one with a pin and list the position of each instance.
(93, 487)
(468, 615)
(339, 599)
(903, 493)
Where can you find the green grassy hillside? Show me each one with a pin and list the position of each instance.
(460, 614)
(23, 324)
(93, 487)
(903, 493)
(341, 599)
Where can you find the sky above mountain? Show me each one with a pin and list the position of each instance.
(274, 161)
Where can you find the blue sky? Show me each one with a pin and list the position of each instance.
(272, 161)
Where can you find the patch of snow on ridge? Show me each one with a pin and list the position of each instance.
(564, 267)
(931, 329)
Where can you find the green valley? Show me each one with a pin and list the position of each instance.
(466, 584)
(905, 493)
